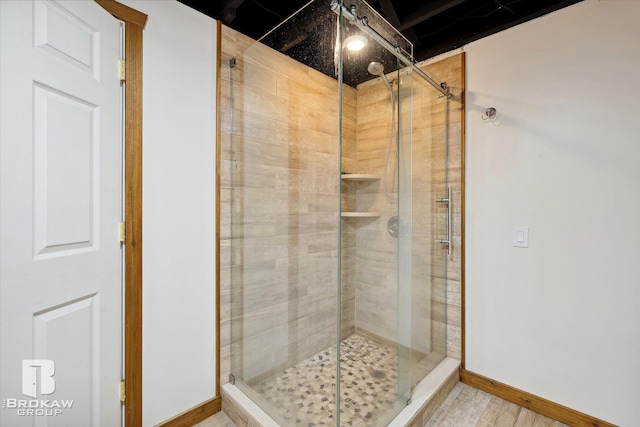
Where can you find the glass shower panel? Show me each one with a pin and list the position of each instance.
(406, 313)
(376, 226)
(428, 130)
(282, 164)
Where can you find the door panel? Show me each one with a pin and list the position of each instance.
(61, 201)
(67, 37)
(65, 159)
(70, 336)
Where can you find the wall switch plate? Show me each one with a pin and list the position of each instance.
(521, 237)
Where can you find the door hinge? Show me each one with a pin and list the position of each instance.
(121, 70)
(122, 395)
(122, 232)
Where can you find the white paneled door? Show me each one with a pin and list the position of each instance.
(60, 203)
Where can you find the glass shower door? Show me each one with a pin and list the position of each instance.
(424, 201)
(391, 314)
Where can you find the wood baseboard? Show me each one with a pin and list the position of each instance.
(535, 403)
(195, 415)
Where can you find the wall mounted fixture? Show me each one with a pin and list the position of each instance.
(489, 114)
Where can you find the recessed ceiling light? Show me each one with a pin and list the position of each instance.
(355, 42)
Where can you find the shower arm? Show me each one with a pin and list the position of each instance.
(397, 51)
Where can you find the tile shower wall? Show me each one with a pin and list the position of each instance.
(279, 211)
(436, 283)
(437, 121)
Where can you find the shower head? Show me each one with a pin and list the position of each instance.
(377, 69)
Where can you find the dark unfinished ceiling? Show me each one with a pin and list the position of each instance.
(432, 26)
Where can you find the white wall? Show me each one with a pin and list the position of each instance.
(178, 209)
(561, 318)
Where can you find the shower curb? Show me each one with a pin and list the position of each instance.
(242, 410)
(427, 396)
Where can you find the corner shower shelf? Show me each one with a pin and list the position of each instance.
(360, 214)
(360, 177)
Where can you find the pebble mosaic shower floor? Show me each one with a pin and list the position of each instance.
(304, 395)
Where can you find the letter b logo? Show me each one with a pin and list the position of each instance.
(30, 377)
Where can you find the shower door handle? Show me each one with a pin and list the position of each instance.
(449, 202)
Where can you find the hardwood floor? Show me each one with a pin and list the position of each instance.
(218, 420)
(464, 407)
(468, 406)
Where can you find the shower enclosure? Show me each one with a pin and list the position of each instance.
(337, 216)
